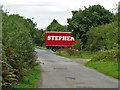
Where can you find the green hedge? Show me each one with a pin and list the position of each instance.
(104, 37)
(18, 48)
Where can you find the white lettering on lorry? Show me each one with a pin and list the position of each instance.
(63, 38)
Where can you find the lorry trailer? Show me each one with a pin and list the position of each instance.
(56, 40)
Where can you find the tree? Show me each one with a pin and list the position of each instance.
(83, 20)
(31, 26)
(55, 26)
(40, 37)
(104, 37)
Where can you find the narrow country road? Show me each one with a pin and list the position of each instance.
(60, 72)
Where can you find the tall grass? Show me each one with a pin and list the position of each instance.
(31, 80)
(106, 67)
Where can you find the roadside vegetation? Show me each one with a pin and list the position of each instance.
(30, 80)
(104, 41)
(106, 67)
(18, 54)
(106, 61)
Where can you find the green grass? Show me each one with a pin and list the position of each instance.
(106, 67)
(87, 54)
(83, 54)
(31, 80)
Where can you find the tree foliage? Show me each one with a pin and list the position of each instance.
(55, 26)
(40, 37)
(104, 37)
(83, 20)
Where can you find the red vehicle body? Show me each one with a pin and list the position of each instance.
(55, 40)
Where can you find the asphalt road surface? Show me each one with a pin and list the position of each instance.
(60, 72)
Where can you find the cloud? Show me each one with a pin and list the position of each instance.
(44, 11)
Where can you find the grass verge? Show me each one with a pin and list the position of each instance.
(31, 80)
(83, 54)
(87, 54)
(106, 67)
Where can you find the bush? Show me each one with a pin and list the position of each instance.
(110, 55)
(18, 48)
(104, 37)
(78, 45)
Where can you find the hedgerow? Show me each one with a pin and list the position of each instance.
(104, 37)
(17, 48)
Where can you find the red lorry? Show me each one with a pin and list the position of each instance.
(56, 40)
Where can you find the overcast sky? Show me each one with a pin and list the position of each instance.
(44, 11)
